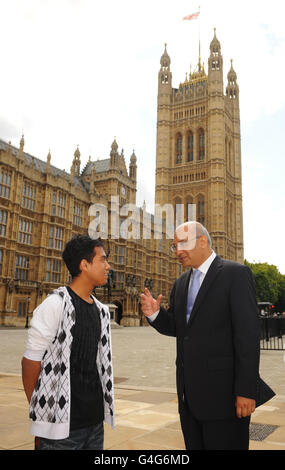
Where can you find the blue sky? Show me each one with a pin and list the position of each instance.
(79, 72)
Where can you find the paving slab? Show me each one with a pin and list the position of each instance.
(145, 395)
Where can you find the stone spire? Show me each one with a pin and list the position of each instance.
(165, 76)
(48, 162)
(215, 65)
(75, 168)
(216, 58)
(21, 149)
(133, 167)
(114, 156)
(232, 90)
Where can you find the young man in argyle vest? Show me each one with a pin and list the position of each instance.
(67, 366)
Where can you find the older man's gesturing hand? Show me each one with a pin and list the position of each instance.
(148, 304)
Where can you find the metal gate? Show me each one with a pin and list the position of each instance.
(272, 334)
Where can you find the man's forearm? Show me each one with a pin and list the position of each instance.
(30, 374)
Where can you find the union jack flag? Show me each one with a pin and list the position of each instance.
(194, 16)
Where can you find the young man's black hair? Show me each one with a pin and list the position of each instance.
(78, 248)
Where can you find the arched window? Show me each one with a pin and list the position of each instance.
(216, 64)
(178, 212)
(229, 220)
(190, 150)
(190, 209)
(178, 148)
(201, 210)
(201, 144)
(230, 156)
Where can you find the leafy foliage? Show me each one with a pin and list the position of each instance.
(269, 283)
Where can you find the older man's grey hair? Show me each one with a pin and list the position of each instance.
(201, 230)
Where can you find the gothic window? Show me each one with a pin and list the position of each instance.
(178, 212)
(179, 148)
(159, 266)
(201, 144)
(120, 280)
(5, 183)
(190, 152)
(3, 222)
(58, 204)
(190, 209)
(158, 287)
(215, 64)
(121, 255)
(28, 196)
(230, 157)
(215, 51)
(164, 78)
(229, 219)
(232, 93)
(22, 268)
(22, 309)
(147, 264)
(77, 214)
(201, 210)
(163, 267)
(53, 270)
(25, 231)
(56, 238)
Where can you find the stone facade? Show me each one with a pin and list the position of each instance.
(42, 207)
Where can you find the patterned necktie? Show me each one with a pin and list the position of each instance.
(192, 293)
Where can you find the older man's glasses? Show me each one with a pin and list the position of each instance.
(183, 245)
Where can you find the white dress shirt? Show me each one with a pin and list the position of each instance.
(203, 268)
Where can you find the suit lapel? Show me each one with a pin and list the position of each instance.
(183, 295)
(210, 277)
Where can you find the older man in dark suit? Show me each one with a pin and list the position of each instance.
(213, 315)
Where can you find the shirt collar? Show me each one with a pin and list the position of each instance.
(205, 266)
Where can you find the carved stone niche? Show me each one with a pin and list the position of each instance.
(10, 285)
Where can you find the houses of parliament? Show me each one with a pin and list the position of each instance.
(198, 162)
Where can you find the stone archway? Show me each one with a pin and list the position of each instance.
(119, 313)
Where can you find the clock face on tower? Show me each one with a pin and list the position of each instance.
(123, 191)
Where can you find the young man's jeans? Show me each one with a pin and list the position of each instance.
(91, 438)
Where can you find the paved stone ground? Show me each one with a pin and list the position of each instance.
(141, 357)
(145, 394)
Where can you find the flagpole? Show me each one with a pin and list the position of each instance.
(190, 17)
(199, 40)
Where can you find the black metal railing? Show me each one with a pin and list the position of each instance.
(272, 333)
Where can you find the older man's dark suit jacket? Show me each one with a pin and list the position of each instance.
(218, 350)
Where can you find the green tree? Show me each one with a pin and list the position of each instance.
(269, 282)
(280, 305)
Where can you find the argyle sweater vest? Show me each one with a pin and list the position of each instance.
(50, 402)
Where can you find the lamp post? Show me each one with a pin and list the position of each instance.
(27, 315)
